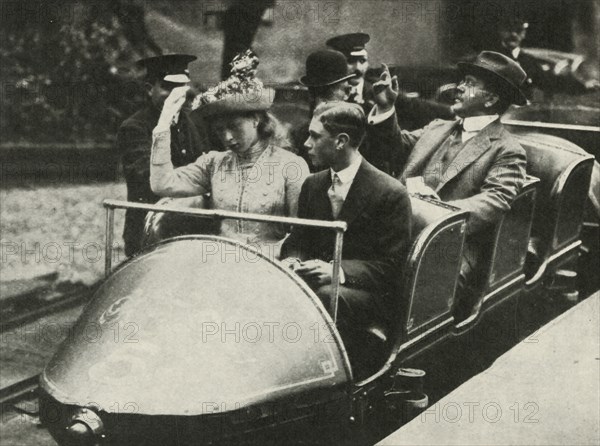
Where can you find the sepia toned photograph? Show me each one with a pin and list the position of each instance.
(299, 222)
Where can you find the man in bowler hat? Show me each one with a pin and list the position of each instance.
(134, 139)
(327, 78)
(472, 162)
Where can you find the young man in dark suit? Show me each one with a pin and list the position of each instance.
(376, 208)
(134, 139)
(472, 162)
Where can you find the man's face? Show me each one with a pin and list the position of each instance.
(471, 96)
(160, 90)
(339, 91)
(358, 65)
(320, 145)
(512, 37)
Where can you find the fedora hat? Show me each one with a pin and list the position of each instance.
(325, 67)
(242, 92)
(504, 74)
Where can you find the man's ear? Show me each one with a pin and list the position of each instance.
(341, 141)
(491, 99)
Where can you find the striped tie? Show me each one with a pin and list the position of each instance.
(336, 200)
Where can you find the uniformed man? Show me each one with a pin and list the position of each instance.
(414, 112)
(511, 32)
(353, 47)
(134, 139)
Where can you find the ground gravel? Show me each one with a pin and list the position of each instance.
(58, 228)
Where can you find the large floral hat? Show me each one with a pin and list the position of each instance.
(241, 92)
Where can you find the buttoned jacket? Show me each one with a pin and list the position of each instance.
(484, 177)
(378, 214)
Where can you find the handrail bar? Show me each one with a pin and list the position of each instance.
(338, 226)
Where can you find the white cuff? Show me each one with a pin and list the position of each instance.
(375, 117)
(342, 277)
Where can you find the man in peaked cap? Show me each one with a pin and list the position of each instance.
(134, 139)
(353, 47)
(471, 162)
(510, 33)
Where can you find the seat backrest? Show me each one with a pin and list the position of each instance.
(432, 266)
(509, 242)
(564, 170)
(575, 123)
(159, 226)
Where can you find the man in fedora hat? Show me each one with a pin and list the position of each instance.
(471, 162)
(353, 46)
(134, 139)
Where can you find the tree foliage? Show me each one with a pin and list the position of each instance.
(67, 76)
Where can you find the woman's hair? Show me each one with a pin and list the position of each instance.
(343, 117)
(269, 129)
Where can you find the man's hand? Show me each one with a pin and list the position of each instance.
(291, 262)
(417, 186)
(172, 107)
(386, 90)
(316, 272)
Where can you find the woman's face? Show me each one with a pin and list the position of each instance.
(236, 133)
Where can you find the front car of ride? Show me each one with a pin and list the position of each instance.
(199, 339)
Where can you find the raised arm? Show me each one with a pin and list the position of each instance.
(165, 181)
(388, 145)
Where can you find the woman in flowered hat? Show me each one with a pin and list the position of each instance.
(253, 174)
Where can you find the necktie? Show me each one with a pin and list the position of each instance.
(335, 197)
(454, 147)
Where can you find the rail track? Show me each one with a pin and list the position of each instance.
(21, 317)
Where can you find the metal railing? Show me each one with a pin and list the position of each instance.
(338, 226)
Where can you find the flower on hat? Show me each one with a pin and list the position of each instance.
(242, 81)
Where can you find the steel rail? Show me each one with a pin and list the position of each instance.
(64, 302)
(19, 390)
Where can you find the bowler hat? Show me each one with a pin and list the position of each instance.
(325, 67)
(504, 75)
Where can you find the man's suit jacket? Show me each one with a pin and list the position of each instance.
(134, 141)
(378, 213)
(484, 178)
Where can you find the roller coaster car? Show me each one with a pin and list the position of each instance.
(564, 170)
(201, 339)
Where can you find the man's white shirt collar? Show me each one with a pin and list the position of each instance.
(347, 175)
(359, 89)
(474, 124)
(515, 53)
